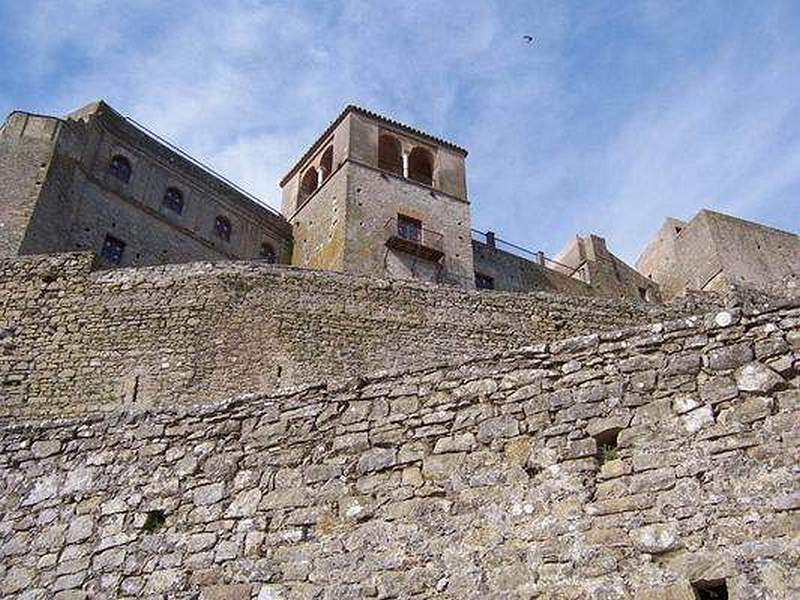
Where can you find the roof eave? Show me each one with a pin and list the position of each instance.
(372, 115)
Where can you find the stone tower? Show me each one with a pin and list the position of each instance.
(375, 197)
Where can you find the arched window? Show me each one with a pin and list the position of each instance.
(308, 185)
(120, 167)
(173, 200)
(267, 253)
(390, 157)
(222, 227)
(326, 162)
(420, 166)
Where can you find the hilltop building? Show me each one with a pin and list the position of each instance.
(714, 252)
(371, 196)
(337, 426)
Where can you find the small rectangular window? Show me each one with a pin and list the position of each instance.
(484, 282)
(112, 249)
(409, 228)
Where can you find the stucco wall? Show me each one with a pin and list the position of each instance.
(319, 225)
(477, 480)
(75, 340)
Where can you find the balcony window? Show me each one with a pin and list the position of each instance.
(407, 235)
(409, 228)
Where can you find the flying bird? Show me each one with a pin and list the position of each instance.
(528, 38)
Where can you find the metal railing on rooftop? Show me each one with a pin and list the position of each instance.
(185, 155)
(538, 257)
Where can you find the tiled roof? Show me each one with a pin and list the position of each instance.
(372, 115)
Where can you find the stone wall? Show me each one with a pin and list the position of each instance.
(58, 195)
(478, 480)
(513, 273)
(76, 340)
(26, 149)
(717, 252)
(608, 275)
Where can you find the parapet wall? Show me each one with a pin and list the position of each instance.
(74, 340)
(477, 480)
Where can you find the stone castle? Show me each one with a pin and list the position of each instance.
(364, 397)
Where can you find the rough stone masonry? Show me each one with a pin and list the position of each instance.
(75, 340)
(650, 463)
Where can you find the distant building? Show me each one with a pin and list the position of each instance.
(713, 252)
(371, 196)
(375, 197)
(95, 181)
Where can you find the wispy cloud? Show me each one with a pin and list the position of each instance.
(610, 121)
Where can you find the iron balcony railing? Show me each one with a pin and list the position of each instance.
(411, 237)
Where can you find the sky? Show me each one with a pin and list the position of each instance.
(619, 114)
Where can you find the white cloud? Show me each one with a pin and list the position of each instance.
(610, 121)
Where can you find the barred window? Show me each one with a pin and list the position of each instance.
(112, 249)
(173, 200)
(222, 227)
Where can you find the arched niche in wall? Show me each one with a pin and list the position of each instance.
(308, 185)
(326, 162)
(420, 166)
(390, 155)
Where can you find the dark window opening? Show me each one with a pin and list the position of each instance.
(222, 227)
(420, 166)
(173, 200)
(308, 185)
(607, 445)
(326, 162)
(390, 156)
(678, 230)
(710, 590)
(267, 253)
(155, 520)
(484, 282)
(112, 249)
(643, 293)
(409, 228)
(120, 167)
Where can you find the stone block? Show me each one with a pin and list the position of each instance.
(376, 459)
(729, 357)
(656, 539)
(234, 591)
(756, 377)
(501, 427)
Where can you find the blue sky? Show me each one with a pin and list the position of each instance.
(619, 114)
